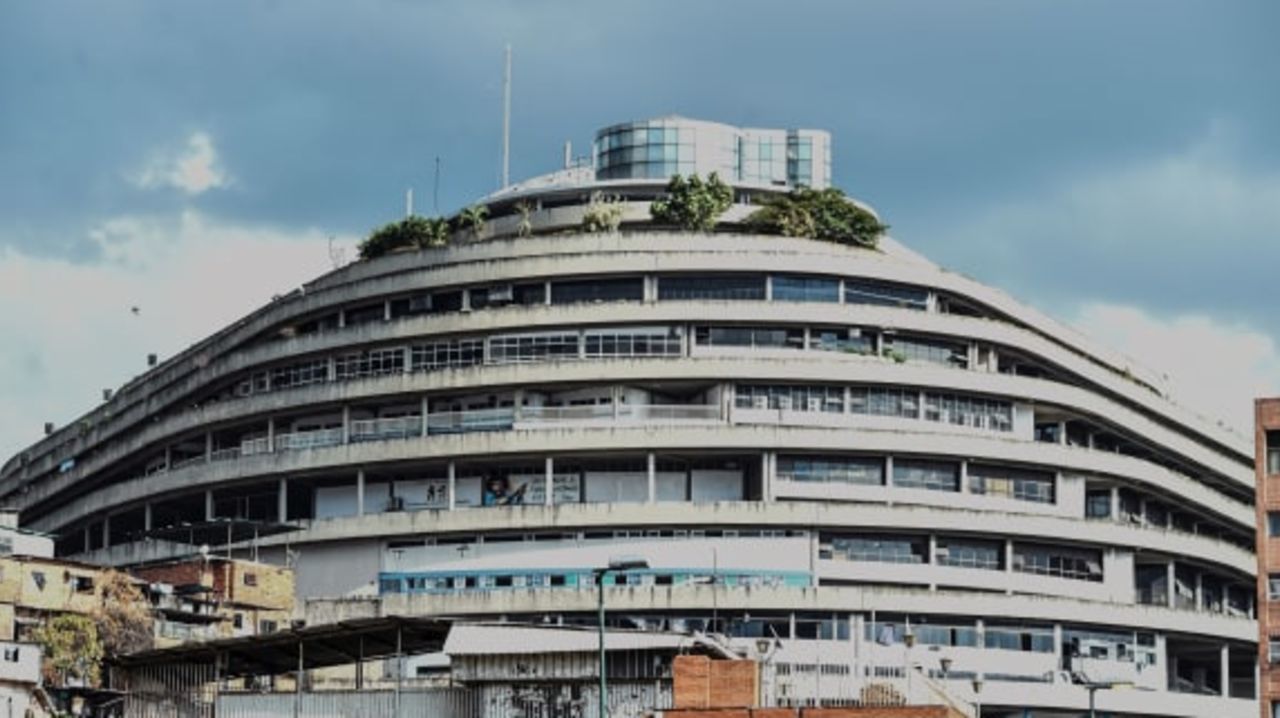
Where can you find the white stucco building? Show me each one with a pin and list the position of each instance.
(828, 446)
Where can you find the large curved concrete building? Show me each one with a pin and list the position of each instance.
(855, 451)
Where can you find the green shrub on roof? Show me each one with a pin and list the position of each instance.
(825, 214)
(693, 204)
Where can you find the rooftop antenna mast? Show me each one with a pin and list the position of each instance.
(506, 120)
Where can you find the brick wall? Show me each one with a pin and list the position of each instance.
(699, 682)
(1267, 498)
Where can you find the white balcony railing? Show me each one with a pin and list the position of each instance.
(249, 447)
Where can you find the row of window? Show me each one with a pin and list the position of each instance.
(1079, 564)
(958, 409)
(441, 581)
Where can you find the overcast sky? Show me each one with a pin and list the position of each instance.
(1114, 164)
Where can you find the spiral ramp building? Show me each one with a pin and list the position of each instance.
(853, 456)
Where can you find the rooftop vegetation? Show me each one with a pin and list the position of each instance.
(825, 214)
(692, 203)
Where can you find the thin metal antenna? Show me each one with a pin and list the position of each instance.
(435, 190)
(506, 121)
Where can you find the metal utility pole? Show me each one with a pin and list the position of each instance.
(506, 120)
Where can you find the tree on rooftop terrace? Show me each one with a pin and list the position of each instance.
(825, 214)
(412, 231)
(693, 204)
(473, 219)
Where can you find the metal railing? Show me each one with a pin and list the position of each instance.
(249, 447)
(400, 427)
(308, 439)
(463, 422)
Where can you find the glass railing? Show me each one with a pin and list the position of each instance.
(400, 427)
(308, 439)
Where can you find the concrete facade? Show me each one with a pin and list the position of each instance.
(846, 450)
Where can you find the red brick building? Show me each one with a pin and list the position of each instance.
(1267, 436)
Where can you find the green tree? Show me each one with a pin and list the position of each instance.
(412, 231)
(693, 204)
(473, 219)
(72, 650)
(825, 214)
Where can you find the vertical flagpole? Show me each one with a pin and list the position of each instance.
(506, 121)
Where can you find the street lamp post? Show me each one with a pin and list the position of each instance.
(619, 564)
(1094, 686)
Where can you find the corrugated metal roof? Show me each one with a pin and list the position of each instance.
(489, 639)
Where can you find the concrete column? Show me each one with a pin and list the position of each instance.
(1115, 502)
(652, 469)
(333, 369)
(208, 446)
(408, 359)
(1008, 557)
(426, 410)
(1226, 670)
(86, 538)
(1062, 432)
(466, 300)
(342, 318)
(106, 530)
(360, 492)
(546, 293)
(208, 505)
(146, 517)
(964, 477)
(271, 433)
(550, 481)
(768, 288)
(168, 458)
(1057, 639)
(453, 486)
(888, 471)
(1172, 577)
(282, 501)
(1199, 590)
(517, 404)
(840, 289)
(346, 424)
(386, 310)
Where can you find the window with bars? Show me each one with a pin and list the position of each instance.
(970, 411)
(446, 353)
(828, 399)
(792, 288)
(520, 348)
(925, 474)
(1013, 483)
(371, 363)
(1059, 561)
(934, 351)
(970, 553)
(755, 337)
(723, 286)
(879, 548)
(863, 470)
(633, 342)
(301, 374)
(890, 401)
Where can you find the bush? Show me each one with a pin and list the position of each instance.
(72, 650)
(604, 214)
(413, 231)
(693, 204)
(825, 214)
